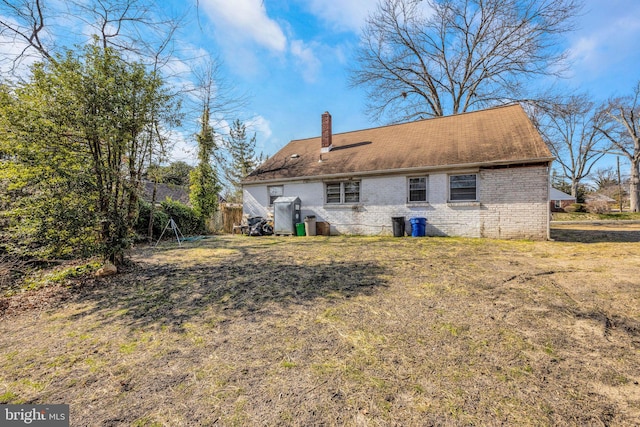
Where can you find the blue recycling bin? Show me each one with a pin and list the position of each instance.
(418, 227)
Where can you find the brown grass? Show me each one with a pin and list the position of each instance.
(340, 331)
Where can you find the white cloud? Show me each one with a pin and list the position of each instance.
(246, 19)
(262, 127)
(608, 38)
(183, 149)
(16, 57)
(10, 50)
(342, 15)
(306, 59)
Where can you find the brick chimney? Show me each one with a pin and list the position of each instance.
(327, 144)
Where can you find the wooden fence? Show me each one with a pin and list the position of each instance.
(231, 215)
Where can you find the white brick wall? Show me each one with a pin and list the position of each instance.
(513, 203)
(516, 202)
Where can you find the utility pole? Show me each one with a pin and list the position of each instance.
(619, 185)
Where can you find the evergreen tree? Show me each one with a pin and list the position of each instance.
(205, 184)
(243, 158)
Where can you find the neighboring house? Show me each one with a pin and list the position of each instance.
(559, 200)
(177, 193)
(479, 174)
(600, 203)
(598, 197)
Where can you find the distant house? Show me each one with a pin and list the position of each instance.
(598, 197)
(177, 193)
(559, 200)
(479, 174)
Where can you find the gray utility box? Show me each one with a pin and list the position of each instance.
(286, 214)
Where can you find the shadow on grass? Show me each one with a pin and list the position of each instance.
(595, 236)
(250, 286)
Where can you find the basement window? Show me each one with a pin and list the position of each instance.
(463, 187)
(342, 192)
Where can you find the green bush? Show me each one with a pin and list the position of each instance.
(185, 217)
(160, 220)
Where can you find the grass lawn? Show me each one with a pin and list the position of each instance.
(586, 216)
(375, 331)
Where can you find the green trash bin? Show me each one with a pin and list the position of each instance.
(300, 229)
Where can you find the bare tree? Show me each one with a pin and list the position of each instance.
(22, 26)
(571, 130)
(127, 25)
(624, 134)
(608, 182)
(604, 178)
(210, 89)
(437, 57)
(132, 26)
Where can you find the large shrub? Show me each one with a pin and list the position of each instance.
(160, 220)
(185, 217)
(598, 206)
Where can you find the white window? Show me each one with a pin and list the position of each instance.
(275, 191)
(557, 204)
(417, 189)
(342, 192)
(463, 187)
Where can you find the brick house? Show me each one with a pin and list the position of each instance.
(478, 174)
(559, 200)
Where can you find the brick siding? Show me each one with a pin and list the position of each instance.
(513, 203)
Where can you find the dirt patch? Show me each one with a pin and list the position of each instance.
(340, 331)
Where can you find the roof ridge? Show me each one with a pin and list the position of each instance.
(512, 104)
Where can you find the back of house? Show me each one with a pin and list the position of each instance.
(478, 174)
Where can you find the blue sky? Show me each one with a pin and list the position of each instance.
(291, 60)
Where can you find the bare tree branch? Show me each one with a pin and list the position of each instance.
(22, 23)
(435, 57)
(570, 127)
(624, 133)
(131, 26)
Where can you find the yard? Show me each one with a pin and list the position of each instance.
(373, 331)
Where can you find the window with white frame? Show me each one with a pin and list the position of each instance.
(342, 192)
(275, 191)
(463, 187)
(417, 189)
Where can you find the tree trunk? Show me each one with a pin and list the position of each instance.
(151, 210)
(574, 189)
(634, 187)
